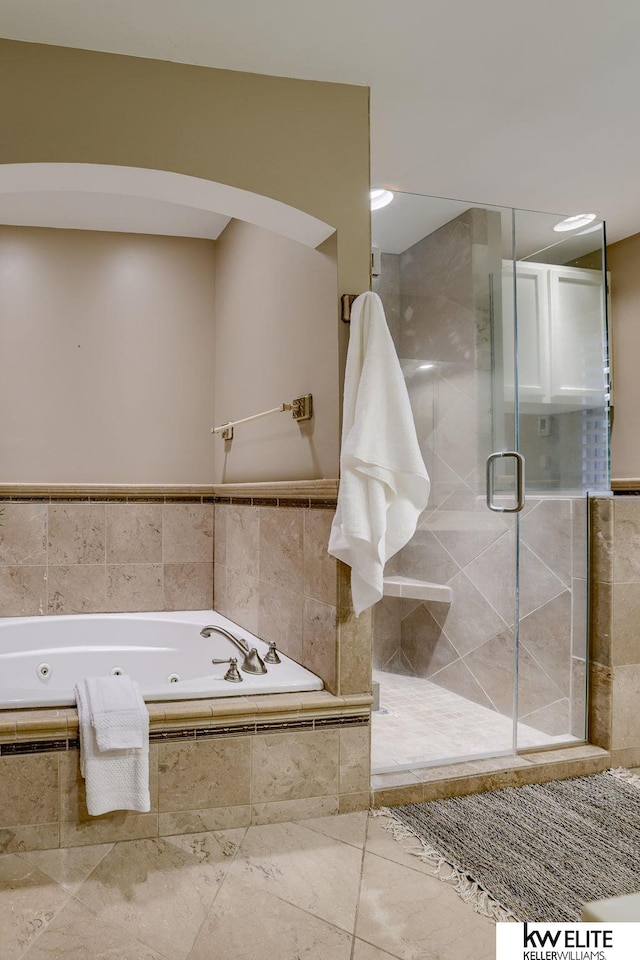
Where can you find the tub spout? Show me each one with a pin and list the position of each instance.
(252, 661)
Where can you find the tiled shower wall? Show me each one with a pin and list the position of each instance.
(467, 646)
(437, 299)
(91, 557)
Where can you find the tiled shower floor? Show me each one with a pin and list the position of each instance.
(421, 723)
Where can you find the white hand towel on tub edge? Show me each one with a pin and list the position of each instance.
(114, 779)
(117, 712)
(384, 484)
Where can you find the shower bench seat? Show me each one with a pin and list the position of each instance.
(413, 589)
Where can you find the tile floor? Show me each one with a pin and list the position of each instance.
(422, 723)
(335, 888)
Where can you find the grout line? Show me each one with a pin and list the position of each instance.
(567, 586)
(220, 885)
(46, 926)
(114, 924)
(562, 696)
(360, 879)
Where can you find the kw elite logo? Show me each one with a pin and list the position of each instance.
(565, 944)
(563, 941)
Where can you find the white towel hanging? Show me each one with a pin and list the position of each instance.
(117, 712)
(115, 779)
(384, 485)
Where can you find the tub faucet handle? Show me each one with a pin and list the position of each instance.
(252, 662)
(232, 674)
(272, 655)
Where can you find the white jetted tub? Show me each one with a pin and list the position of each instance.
(41, 658)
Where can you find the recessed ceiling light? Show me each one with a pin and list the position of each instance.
(592, 229)
(426, 366)
(380, 198)
(574, 223)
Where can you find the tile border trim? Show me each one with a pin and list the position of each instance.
(33, 729)
(285, 493)
(251, 728)
(626, 485)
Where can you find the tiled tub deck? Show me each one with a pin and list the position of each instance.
(214, 764)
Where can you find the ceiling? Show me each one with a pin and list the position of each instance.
(498, 101)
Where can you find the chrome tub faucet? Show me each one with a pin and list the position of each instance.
(252, 661)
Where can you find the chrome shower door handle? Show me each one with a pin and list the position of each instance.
(519, 492)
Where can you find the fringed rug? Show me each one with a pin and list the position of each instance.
(534, 853)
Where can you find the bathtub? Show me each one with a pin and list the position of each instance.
(41, 658)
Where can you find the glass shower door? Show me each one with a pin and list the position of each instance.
(444, 641)
(500, 326)
(563, 392)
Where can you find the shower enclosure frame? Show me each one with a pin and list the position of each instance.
(546, 583)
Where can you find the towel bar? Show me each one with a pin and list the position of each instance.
(301, 409)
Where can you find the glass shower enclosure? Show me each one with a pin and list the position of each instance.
(499, 321)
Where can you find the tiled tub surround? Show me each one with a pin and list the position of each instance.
(274, 577)
(214, 764)
(92, 549)
(91, 553)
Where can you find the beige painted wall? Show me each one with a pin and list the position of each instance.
(276, 339)
(302, 142)
(106, 365)
(623, 262)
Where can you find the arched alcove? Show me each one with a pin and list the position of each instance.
(107, 197)
(132, 350)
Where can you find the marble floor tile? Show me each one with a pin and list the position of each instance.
(218, 848)
(328, 888)
(416, 917)
(247, 923)
(381, 843)
(29, 901)
(305, 868)
(69, 866)
(350, 827)
(157, 892)
(366, 951)
(76, 933)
